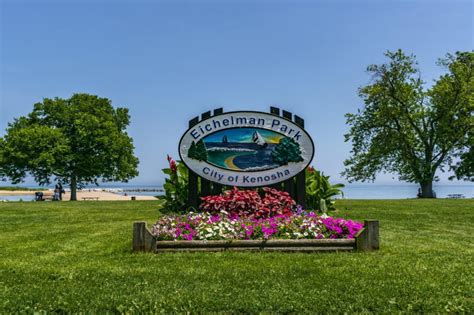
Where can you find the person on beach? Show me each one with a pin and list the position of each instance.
(61, 191)
(56, 193)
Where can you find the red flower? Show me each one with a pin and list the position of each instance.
(172, 163)
(310, 169)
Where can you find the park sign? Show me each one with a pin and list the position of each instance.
(246, 149)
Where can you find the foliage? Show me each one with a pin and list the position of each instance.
(198, 151)
(176, 187)
(192, 151)
(319, 191)
(412, 131)
(248, 203)
(235, 202)
(201, 150)
(287, 150)
(205, 226)
(77, 258)
(464, 168)
(78, 140)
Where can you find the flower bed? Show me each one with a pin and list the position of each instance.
(254, 220)
(222, 226)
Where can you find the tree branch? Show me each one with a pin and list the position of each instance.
(405, 107)
(409, 150)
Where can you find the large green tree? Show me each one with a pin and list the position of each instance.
(77, 141)
(412, 129)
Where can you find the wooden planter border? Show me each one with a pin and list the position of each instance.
(366, 240)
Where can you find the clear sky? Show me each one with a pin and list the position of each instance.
(168, 61)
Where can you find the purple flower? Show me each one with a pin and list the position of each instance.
(202, 226)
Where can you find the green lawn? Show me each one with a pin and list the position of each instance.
(67, 256)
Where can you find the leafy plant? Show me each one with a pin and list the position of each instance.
(248, 203)
(319, 191)
(176, 187)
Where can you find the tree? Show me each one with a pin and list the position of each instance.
(410, 130)
(77, 141)
(201, 151)
(192, 151)
(287, 150)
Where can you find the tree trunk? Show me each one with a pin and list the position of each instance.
(73, 189)
(427, 190)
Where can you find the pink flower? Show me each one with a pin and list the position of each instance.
(172, 163)
(296, 225)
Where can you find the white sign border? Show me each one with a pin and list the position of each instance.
(246, 178)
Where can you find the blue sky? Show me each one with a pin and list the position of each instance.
(168, 61)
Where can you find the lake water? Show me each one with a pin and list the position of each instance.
(241, 156)
(375, 191)
(351, 191)
(17, 197)
(381, 191)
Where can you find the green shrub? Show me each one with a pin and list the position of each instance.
(319, 191)
(176, 187)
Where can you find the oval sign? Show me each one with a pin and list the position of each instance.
(246, 149)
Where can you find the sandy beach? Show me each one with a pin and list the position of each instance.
(81, 195)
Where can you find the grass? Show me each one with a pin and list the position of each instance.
(69, 257)
(17, 188)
